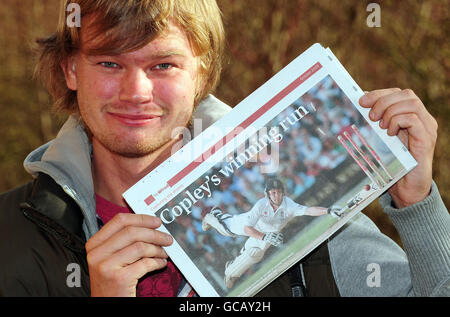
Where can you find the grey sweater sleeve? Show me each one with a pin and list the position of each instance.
(365, 262)
(425, 232)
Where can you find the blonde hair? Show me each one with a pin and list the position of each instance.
(127, 25)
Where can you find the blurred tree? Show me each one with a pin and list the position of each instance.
(25, 116)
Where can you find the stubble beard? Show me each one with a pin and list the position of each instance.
(118, 146)
(134, 150)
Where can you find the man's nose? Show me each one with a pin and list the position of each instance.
(136, 88)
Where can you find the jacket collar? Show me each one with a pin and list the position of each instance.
(67, 160)
(49, 207)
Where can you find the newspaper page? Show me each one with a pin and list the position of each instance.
(263, 186)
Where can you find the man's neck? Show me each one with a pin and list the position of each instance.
(113, 174)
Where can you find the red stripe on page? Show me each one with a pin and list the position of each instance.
(149, 200)
(244, 124)
(191, 293)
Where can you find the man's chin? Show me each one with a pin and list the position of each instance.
(132, 154)
(131, 148)
(138, 151)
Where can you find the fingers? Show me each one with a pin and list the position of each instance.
(370, 98)
(129, 235)
(409, 121)
(132, 254)
(125, 249)
(384, 104)
(403, 114)
(389, 103)
(108, 280)
(140, 250)
(420, 143)
(119, 222)
(143, 266)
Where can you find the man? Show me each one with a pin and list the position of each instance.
(128, 86)
(134, 71)
(262, 224)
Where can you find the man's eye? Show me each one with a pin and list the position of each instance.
(109, 64)
(163, 66)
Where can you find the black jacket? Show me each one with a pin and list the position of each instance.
(42, 239)
(41, 235)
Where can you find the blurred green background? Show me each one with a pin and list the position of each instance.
(411, 49)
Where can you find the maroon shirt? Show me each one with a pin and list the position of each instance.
(161, 283)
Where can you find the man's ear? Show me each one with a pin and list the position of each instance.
(69, 67)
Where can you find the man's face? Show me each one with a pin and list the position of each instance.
(276, 196)
(132, 102)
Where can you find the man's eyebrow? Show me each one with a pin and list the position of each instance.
(166, 53)
(151, 55)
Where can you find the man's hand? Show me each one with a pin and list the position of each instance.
(403, 114)
(124, 250)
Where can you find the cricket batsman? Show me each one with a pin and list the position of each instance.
(262, 224)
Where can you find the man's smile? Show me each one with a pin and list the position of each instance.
(136, 120)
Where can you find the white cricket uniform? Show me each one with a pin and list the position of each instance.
(263, 218)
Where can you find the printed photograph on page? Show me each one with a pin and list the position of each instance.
(312, 164)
